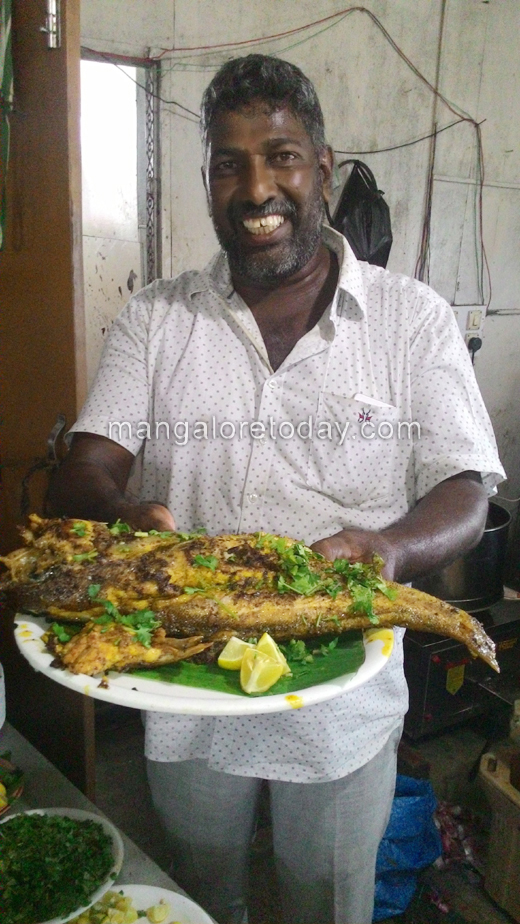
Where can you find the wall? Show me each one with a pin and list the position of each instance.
(371, 100)
(111, 234)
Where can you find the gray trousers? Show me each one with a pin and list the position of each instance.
(325, 837)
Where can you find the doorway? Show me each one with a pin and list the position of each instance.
(120, 192)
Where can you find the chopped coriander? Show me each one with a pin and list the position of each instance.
(61, 633)
(142, 622)
(86, 556)
(51, 865)
(211, 561)
(296, 650)
(298, 576)
(79, 529)
(185, 537)
(193, 590)
(326, 649)
(118, 529)
(362, 597)
(93, 591)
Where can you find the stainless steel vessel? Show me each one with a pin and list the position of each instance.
(475, 581)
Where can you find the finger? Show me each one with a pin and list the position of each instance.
(332, 549)
(160, 518)
(150, 516)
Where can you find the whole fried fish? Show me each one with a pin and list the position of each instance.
(212, 587)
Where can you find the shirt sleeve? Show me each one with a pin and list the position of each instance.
(455, 430)
(118, 400)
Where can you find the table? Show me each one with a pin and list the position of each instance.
(46, 787)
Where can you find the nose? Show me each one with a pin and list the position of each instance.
(258, 184)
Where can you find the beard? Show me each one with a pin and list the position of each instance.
(274, 263)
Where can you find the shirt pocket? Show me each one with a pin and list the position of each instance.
(355, 452)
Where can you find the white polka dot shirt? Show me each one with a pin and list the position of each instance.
(373, 407)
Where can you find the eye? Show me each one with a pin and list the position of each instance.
(283, 157)
(223, 167)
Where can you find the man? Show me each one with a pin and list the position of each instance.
(285, 329)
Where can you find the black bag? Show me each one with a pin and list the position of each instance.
(363, 216)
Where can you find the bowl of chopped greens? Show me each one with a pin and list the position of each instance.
(55, 863)
(11, 783)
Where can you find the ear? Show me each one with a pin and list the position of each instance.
(326, 166)
(206, 187)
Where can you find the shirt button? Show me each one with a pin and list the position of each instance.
(253, 498)
(272, 383)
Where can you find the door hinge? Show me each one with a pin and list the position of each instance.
(52, 26)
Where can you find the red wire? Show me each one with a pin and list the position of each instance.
(264, 38)
(317, 22)
(111, 58)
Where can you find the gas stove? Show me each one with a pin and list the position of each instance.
(447, 686)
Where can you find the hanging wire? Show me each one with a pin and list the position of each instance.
(138, 62)
(222, 49)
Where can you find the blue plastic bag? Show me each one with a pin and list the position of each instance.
(410, 843)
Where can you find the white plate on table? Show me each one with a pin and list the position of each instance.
(183, 910)
(156, 696)
(117, 851)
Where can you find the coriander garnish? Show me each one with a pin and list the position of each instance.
(50, 865)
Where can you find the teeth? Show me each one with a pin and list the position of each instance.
(263, 225)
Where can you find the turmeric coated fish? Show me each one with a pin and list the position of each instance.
(203, 589)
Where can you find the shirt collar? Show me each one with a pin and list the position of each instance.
(350, 300)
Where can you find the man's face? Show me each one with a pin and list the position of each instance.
(266, 186)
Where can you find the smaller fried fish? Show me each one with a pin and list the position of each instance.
(100, 648)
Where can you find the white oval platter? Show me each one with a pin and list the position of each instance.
(157, 696)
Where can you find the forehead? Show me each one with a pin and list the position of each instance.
(255, 125)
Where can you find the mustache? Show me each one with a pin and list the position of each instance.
(239, 210)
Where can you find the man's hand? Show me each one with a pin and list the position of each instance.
(360, 545)
(444, 525)
(146, 517)
(91, 483)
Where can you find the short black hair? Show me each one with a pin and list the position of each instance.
(276, 83)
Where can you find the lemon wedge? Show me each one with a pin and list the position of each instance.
(259, 672)
(231, 656)
(268, 646)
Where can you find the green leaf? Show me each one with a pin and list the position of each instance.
(51, 865)
(93, 591)
(296, 650)
(79, 529)
(144, 636)
(61, 633)
(186, 537)
(118, 529)
(210, 561)
(86, 556)
(362, 597)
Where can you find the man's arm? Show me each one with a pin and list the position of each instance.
(445, 524)
(91, 481)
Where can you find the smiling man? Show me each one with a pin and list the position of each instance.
(286, 334)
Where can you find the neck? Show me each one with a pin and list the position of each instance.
(306, 282)
(286, 311)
